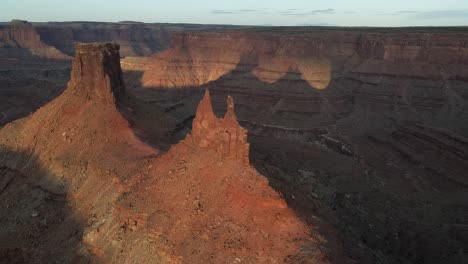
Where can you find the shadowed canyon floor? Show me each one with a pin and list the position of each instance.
(363, 132)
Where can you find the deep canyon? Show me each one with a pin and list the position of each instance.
(226, 144)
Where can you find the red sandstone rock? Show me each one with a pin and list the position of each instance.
(21, 34)
(225, 136)
(317, 78)
(96, 72)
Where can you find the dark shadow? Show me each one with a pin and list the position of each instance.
(28, 84)
(37, 223)
(317, 170)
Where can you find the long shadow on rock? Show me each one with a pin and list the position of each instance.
(28, 85)
(37, 223)
(305, 159)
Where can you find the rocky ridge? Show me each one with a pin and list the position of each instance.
(224, 136)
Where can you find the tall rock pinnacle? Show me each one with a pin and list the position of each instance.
(96, 72)
(225, 136)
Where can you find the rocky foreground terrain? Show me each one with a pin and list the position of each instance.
(362, 131)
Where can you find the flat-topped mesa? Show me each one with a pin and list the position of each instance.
(225, 136)
(96, 73)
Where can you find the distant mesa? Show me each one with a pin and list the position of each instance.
(224, 136)
(130, 22)
(18, 22)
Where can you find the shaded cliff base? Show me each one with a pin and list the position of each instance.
(39, 224)
(25, 88)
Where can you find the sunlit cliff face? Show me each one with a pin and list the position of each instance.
(316, 71)
(271, 69)
(184, 68)
(196, 67)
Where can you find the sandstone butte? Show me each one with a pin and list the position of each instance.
(126, 202)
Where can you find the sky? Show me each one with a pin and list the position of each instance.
(393, 13)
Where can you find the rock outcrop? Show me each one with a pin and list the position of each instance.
(96, 72)
(81, 136)
(222, 135)
(22, 36)
(316, 77)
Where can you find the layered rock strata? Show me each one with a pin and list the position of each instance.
(305, 78)
(20, 38)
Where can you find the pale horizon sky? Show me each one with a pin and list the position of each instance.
(394, 13)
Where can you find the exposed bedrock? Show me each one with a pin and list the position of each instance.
(56, 159)
(350, 79)
(21, 39)
(135, 38)
(224, 136)
(96, 72)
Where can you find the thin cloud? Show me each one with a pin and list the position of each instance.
(442, 14)
(292, 12)
(221, 12)
(238, 11)
(408, 12)
(315, 25)
(307, 13)
(247, 10)
(437, 14)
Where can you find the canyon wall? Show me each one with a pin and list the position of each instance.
(56, 40)
(135, 38)
(313, 78)
(20, 38)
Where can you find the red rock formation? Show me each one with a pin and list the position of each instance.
(81, 136)
(97, 74)
(22, 35)
(321, 77)
(135, 39)
(225, 136)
